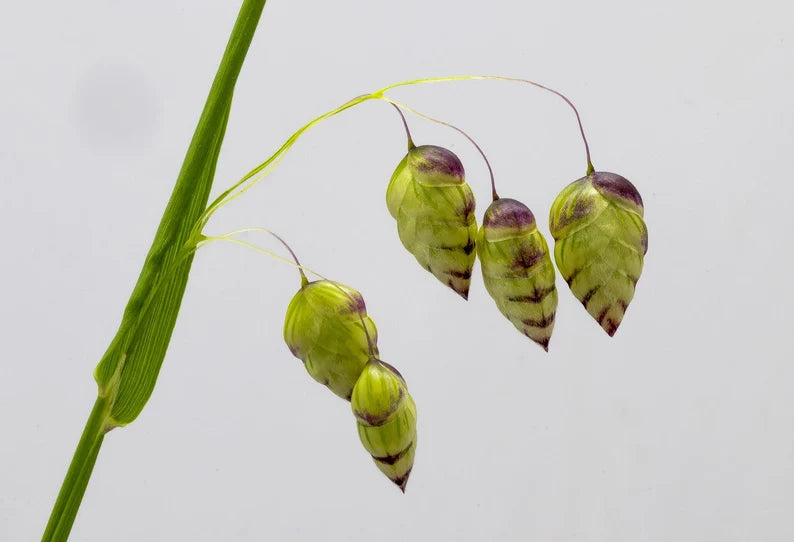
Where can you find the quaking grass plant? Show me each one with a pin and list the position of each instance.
(596, 222)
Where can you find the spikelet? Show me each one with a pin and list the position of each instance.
(323, 329)
(434, 209)
(601, 240)
(517, 269)
(386, 418)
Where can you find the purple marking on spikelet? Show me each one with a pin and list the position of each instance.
(438, 159)
(507, 213)
(617, 185)
(526, 258)
(581, 208)
(460, 274)
(462, 293)
(611, 327)
(537, 295)
(392, 459)
(602, 315)
(544, 343)
(543, 322)
(402, 481)
(570, 278)
(468, 205)
(469, 247)
(375, 421)
(356, 304)
(589, 295)
(392, 368)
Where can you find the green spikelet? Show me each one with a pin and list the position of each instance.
(517, 268)
(434, 209)
(323, 329)
(386, 418)
(601, 240)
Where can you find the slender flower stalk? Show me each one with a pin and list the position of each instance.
(405, 124)
(229, 236)
(326, 326)
(256, 175)
(350, 296)
(590, 167)
(253, 177)
(448, 125)
(294, 262)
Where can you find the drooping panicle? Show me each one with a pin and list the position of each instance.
(517, 269)
(600, 242)
(386, 418)
(434, 209)
(323, 328)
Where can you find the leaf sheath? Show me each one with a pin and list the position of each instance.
(128, 371)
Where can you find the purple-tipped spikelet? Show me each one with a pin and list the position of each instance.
(517, 268)
(386, 418)
(324, 327)
(434, 209)
(601, 239)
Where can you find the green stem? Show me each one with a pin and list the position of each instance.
(127, 372)
(261, 171)
(253, 177)
(73, 488)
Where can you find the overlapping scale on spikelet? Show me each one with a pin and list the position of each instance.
(434, 209)
(323, 328)
(601, 239)
(386, 418)
(517, 269)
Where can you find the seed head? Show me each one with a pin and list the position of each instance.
(323, 329)
(517, 269)
(434, 209)
(600, 242)
(386, 418)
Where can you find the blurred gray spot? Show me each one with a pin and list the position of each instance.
(115, 107)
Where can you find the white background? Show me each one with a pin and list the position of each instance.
(681, 427)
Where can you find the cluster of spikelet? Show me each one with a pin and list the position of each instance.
(596, 221)
(600, 240)
(328, 328)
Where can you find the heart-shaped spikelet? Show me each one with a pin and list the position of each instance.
(517, 269)
(434, 209)
(386, 418)
(601, 239)
(323, 328)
